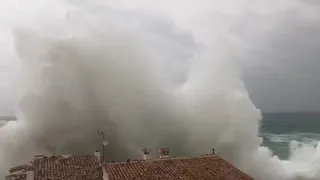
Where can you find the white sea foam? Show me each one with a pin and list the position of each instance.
(307, 138)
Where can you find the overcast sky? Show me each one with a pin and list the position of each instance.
(281, 53)
(286, 76)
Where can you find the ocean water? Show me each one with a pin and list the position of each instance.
(278, 130)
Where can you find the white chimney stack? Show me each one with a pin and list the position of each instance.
(164, 152)
(66, 155)
(97, 154)
(146, 154)
(41, 156)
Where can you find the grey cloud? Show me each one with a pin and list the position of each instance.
(286, 75)
(312, 2)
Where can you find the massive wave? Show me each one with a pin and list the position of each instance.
(149, 73)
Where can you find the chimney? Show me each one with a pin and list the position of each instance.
(212, 151)
(38, 156)
(97, 154)
(146, 154)
(66, 155)
(164, 152)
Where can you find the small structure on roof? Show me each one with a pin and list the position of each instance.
(146, 154)
(164, 152)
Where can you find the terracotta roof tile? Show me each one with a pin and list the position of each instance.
(20, 176)
(25, 167)
(71, 168)
(197, 168)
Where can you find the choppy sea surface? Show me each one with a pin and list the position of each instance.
(279, 129)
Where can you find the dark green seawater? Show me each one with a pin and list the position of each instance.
(279, 129)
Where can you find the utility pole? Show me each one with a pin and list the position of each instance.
(104, 143)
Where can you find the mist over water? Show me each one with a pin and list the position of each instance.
(144, 74)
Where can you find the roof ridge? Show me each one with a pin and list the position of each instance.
(160, 159)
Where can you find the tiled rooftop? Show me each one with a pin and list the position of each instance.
(20, 176)
(71, 168)
(25, 167)
(209, 167)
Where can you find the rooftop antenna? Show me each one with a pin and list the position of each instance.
(102, 135)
